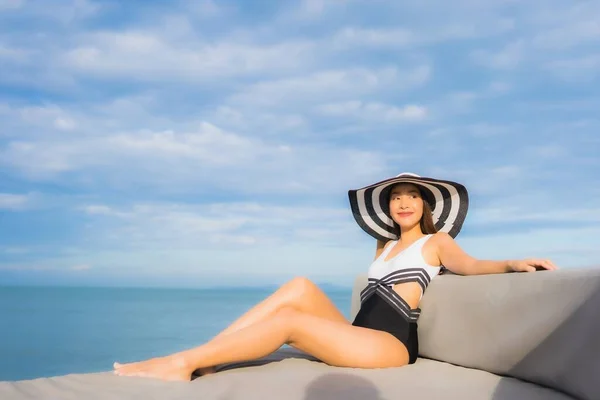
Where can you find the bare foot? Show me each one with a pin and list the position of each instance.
(165, 368)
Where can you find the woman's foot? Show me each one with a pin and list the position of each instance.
(168, 368)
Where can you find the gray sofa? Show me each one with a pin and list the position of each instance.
(500, 337)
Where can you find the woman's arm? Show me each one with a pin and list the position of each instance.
(456, 260)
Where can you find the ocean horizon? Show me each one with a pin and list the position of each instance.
(58, 330)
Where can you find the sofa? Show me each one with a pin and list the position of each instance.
(498, 337)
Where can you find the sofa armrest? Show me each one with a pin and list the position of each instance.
(541, 327)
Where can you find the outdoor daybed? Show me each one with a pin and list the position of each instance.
(501, 337)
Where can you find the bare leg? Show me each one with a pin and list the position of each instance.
(335, 343)
(300, 294)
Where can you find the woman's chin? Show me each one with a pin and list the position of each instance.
(405, 225)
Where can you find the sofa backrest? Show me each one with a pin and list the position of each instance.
(541, 327)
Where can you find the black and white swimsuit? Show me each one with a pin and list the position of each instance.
(382, 308)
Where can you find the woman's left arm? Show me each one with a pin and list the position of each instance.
(456, 260)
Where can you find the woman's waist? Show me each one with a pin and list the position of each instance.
(410, 292)
(379, 303)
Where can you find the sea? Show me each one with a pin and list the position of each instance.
(53, 331)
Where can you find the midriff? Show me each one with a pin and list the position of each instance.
(410, 292)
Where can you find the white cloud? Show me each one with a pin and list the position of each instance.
(51, 158)
(55, 264)
(550, 151)
(584, 68)
(566, 247)
(584, 103)
(374, 111)
(246, 119)
(527, 213)
(312, 10)
(235, 110)
(39, 120)
(208, 145)
(499, 87)
(556, 38)
(175, 225)
(14, 250)
(13, 54)
(81, 267)
(146, 55)
(418, 35)
(566, 26)
(64, 124)
(9, 201)
(460, 102)
(313, 7)
(205, 8)
(484, 177)
(567, 36)
(184, 160)
(10, 4)
(26, 267)
(332, 84)
(94, 209)
(58, 10)
(391, 37)
(509, 57)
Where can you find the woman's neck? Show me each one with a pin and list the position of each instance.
(411, 234)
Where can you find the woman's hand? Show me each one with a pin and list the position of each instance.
(531, 265)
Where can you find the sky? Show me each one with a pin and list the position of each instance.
(191, 144)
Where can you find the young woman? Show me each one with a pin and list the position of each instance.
(415, 220)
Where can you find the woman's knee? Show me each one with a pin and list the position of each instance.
(287, 316)
(301, 286)
(288, 320)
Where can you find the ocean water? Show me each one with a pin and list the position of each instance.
(51, 331)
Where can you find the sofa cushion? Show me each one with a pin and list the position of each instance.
(287, 378)
(540, 327)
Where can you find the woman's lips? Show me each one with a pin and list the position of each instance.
(403, 215)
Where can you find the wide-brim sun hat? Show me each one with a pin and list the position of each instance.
(449, 203)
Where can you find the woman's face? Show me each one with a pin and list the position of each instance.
(406, 204)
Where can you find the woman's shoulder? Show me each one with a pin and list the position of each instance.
(441, 237)
(440, 240)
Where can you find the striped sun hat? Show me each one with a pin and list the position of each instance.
(449, 203)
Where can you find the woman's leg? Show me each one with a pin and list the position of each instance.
(299, 293)
(335, 343)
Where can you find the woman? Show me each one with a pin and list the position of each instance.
(421, 216)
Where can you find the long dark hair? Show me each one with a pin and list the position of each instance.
(426, 222)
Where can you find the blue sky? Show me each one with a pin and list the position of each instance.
(165, 143)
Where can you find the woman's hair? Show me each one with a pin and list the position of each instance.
(426, 222)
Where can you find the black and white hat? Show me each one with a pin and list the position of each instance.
(449, 203)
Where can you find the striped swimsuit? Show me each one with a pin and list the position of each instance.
(382, 308)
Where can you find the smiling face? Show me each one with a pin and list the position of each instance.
(406, 205)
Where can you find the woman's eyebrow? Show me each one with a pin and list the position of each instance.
(397, 192)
